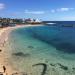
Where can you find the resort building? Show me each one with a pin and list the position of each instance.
(32, 21)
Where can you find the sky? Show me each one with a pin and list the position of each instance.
(51, 10)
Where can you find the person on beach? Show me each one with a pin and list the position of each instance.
(4, 68)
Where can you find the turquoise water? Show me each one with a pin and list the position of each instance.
(32, 45)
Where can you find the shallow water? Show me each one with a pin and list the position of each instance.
(42, 44)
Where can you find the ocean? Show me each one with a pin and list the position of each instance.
(53, 45)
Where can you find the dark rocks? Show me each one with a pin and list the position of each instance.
(30, 47)
(52, 64)
(44, 67)
(73, 68)
(62, 66)
(21, 54)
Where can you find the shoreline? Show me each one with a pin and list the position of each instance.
(4, 32)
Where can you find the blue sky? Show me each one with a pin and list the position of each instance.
(41, 9)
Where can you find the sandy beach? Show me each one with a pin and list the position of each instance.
(4, 32)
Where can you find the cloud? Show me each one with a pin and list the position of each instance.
(53, 11)
(34, 12)
(2, 6)
(62, 10)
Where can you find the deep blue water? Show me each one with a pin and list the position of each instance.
(62, 38)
